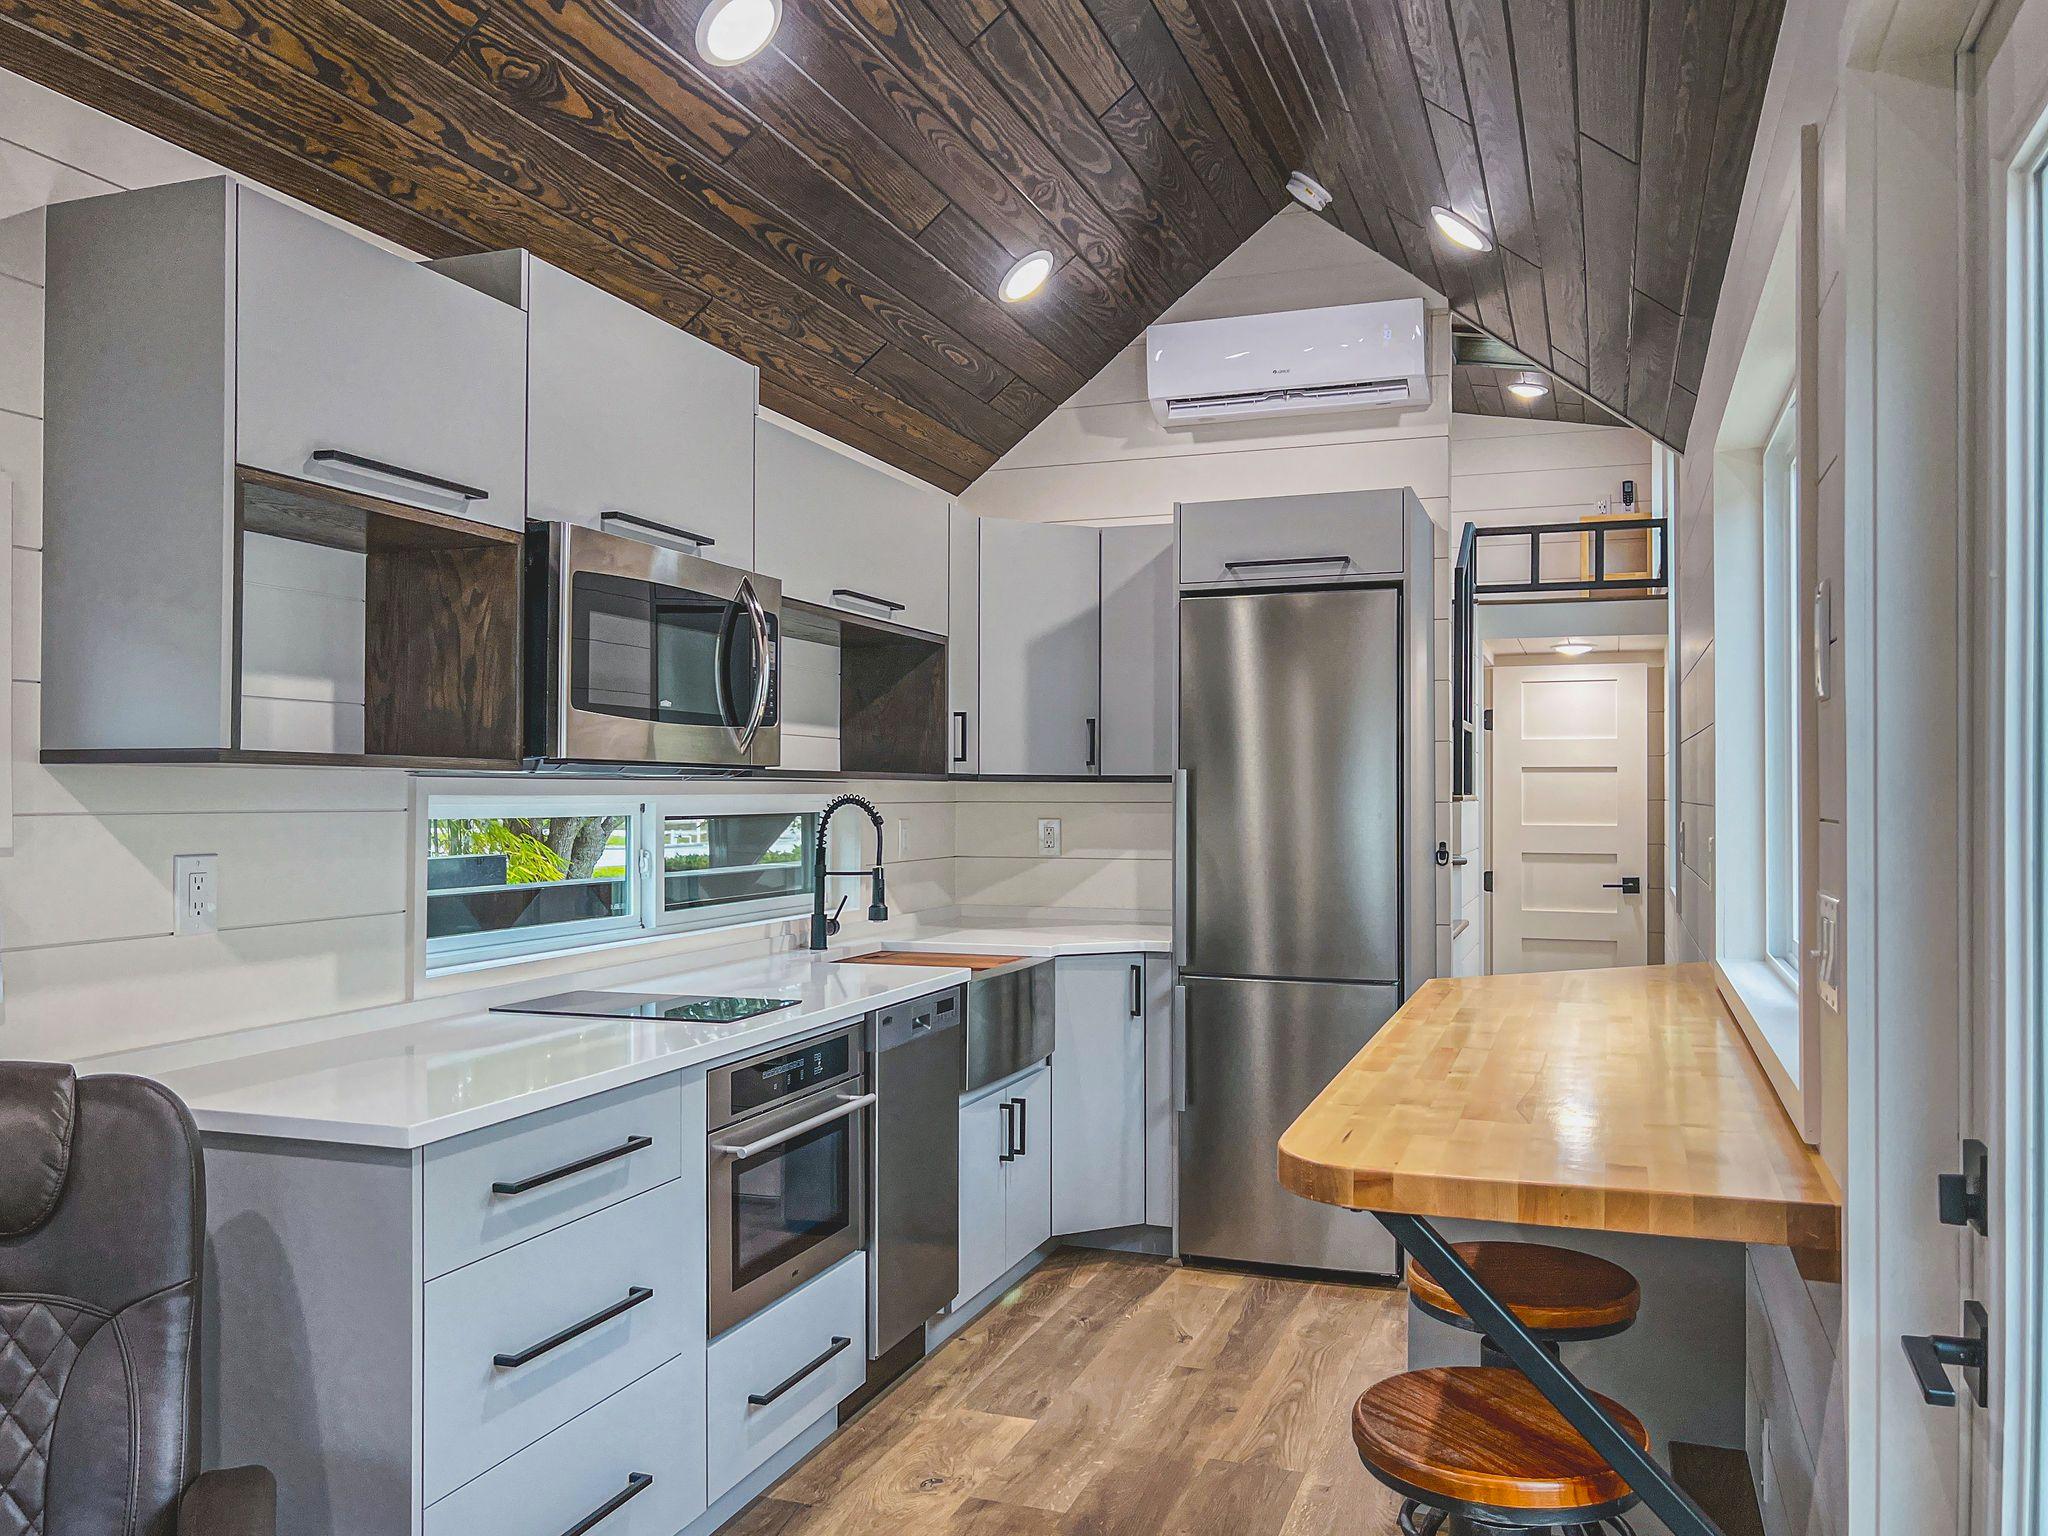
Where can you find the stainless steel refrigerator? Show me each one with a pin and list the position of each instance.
(1302, 725)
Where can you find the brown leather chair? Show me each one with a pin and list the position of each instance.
(102, 1236)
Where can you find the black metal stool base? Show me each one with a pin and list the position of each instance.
(1420, 1519)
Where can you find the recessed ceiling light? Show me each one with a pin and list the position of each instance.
(1308, 192)
(1025, 277)
(733, 31)
(1571, 647)
(1528, 387)
(1461, 231)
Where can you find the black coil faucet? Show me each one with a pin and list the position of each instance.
(823, 927)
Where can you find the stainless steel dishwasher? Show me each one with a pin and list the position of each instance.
(914, 1166)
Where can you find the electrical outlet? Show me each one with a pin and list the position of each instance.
(195, 893)
(1049, 835)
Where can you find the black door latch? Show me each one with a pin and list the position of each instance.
(1932, 1355)
(1966, 1197)
(1628, 885)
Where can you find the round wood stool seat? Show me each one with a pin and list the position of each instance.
(1555, 1293)
(1481, 1443)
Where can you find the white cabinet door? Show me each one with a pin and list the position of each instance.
(1041, 648)
(984, 1143)
(1028, 1207)
(1138, 597)
(1324, 536)
(963, 650)
(1161, 1172)
(845, 536)
(1098, 1093)
(360, 368)
(632, 415)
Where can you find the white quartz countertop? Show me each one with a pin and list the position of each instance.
(422, 1082)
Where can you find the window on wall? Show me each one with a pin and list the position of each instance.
(1780, 655)
(535, 876)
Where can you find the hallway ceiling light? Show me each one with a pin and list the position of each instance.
(733, 31)
(1571, 647)
(1026, 277)
(1461, 231)
(1528, 387)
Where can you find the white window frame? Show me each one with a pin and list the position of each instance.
(649, 919)
(1780, 614)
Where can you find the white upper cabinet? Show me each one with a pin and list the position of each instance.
(843, 535)
(627, 415)
(359, 368)
(1138, 597)
(1041, 648)
(1328, 536)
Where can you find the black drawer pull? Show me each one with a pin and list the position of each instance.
(635, 520)
(763, 1399)
(533, 1352)
(869, 598)
(637, 1483)
(626, 1148)
(398, 472)
(1260, 565)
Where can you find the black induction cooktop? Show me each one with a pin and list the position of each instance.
(683, 1007)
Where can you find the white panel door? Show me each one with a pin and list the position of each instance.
(986, 1136)
(1098, 1093)
(1027, 1201)
(1571, 816)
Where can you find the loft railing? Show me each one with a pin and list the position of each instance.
(1597, 577)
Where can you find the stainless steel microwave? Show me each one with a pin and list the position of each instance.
(638, 653)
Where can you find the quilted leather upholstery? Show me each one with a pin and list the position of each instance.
(99, 1320)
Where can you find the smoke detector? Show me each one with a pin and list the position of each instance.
(1308, 192)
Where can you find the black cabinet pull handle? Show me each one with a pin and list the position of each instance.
(1259, 565)
(1091, 742)
(637, 1483)
(634, 519)
(1008, 1110)
(763, 1399)
(398, 472)
(533, 1352)
(960, 752)
(626, 1148)
(1023, 1128)
(1138, 991)
(868, 597)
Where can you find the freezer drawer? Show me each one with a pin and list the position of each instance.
(1254, 1054)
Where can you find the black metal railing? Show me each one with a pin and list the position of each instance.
(1601, 581)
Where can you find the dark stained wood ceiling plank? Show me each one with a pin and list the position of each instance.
(1525, 303)
(1462, 398)
(1225, 91)
(1688, 44)
(430, 28)
(1482, 270)
(1420, 255)
(1609, 37)
(1610, 198)
(49, 47)
(1265, 46)
(1075, 313)
(1678, 416)
(1653, 353)
(1488, 398)
(1072, 40)
(967, 19)
(1304, 30)
(1357, 167)
(1148, 50)
(1156, 159)
(1023, 404)
(913, 38)
(1371, 30)
(1543, 66)
(857, 434)
(908, 380)
(1481, 29)
(1234, 54)
(1433, 42)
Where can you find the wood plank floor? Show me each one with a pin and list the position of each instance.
(1111, 1394)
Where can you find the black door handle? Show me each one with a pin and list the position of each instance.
(1023, 1129)
(1138, 991)
(1628, 885)
(1091, 743)
(1007, 1109)
(960, 752)
(533, 1352)
(349, 460)
(637, 1483)
(763, 1399)
(626, 1148)
(1932, 1355)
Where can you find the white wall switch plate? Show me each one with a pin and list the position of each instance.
(195, 893)
(1049, 835)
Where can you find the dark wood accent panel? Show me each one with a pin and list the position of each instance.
(892, 702)
(1611, 196)
(1688, 42)
(441, 650)
(1610, 49)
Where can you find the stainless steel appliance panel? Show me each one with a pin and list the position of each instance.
(1009, 1022)
(1252, 1056)
(914, 1191)
(1290, 746)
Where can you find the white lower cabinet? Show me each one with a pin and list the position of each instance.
(635, 1461)
(1006, 1140)
(1098, 1093)
(776, 1374)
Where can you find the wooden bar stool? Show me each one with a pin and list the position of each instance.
(1560, 1295)
(1476, 1448)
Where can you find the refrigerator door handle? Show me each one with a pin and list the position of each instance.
(1183, 873)
(1182, 1079)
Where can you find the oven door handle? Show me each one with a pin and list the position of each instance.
(764, 653)
(849, 1104)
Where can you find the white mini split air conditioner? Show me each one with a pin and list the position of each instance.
(1347, 358)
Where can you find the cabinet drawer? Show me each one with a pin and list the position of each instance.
(650, 1431)
(766, 1356)
(500, 1186)
(531, 1304)
(1338, 536)
(342, 348)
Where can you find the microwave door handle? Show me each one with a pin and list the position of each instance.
(721, 682)
(849, 1104)
(764, 652)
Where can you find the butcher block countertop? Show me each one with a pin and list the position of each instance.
(1616, 1100)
